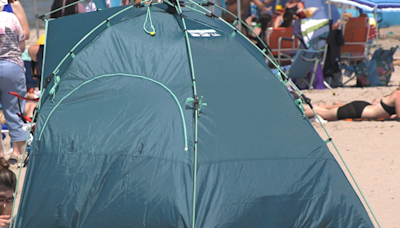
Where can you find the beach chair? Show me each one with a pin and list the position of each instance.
(356, 36)
(31, 82)
(282, 42)
(303, 62)
(373, 33)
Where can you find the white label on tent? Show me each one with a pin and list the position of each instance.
(203, 33)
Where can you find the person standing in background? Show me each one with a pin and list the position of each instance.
(12, 78)
(15, 7)
(74, 9)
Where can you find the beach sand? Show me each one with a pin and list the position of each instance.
(371, 150)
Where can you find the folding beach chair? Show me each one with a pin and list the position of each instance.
(303, 62)
(282, 42)
(356, 36)
(31, 81)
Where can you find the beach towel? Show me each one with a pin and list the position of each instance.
(312, 29)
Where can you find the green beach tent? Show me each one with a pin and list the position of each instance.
(184, 127)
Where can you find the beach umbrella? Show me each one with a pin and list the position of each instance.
(164, 115)
(388, 9)
(370, 5)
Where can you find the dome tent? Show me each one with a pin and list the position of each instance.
(124, 137)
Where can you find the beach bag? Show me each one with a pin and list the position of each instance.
(376, 72)
(386, 55)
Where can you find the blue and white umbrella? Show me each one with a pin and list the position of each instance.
(383, 5)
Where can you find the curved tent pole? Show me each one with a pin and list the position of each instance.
(196, 115)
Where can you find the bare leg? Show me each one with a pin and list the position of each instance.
(29, 108)
(32, 51)
(278, 21)
(326, 114)
(18, 148)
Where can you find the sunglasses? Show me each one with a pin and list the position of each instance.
(8, 200)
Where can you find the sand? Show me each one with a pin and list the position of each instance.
(371, 150)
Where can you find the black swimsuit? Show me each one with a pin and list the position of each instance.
(388, 109)
(292, 10)
(351, 110)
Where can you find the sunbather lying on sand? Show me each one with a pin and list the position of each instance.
(387, 107)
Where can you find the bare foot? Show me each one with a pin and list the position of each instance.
(336, 103)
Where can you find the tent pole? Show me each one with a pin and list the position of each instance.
(239, 14)
(36, 20)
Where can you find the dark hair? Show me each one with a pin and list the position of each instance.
(287, 20)
(264, 20)
(67, 11)
(8, 180)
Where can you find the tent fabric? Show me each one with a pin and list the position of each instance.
(109, 143)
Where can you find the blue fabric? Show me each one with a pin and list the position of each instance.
(12, 79)
(387, 13)
(323, 9)
(375, 72)
(8, 8)
(303, 62)
(100, 4)
(380, 3)
(370, 4)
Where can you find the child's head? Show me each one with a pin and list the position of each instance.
(265, 20)
(8, 180)
(287, 20)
